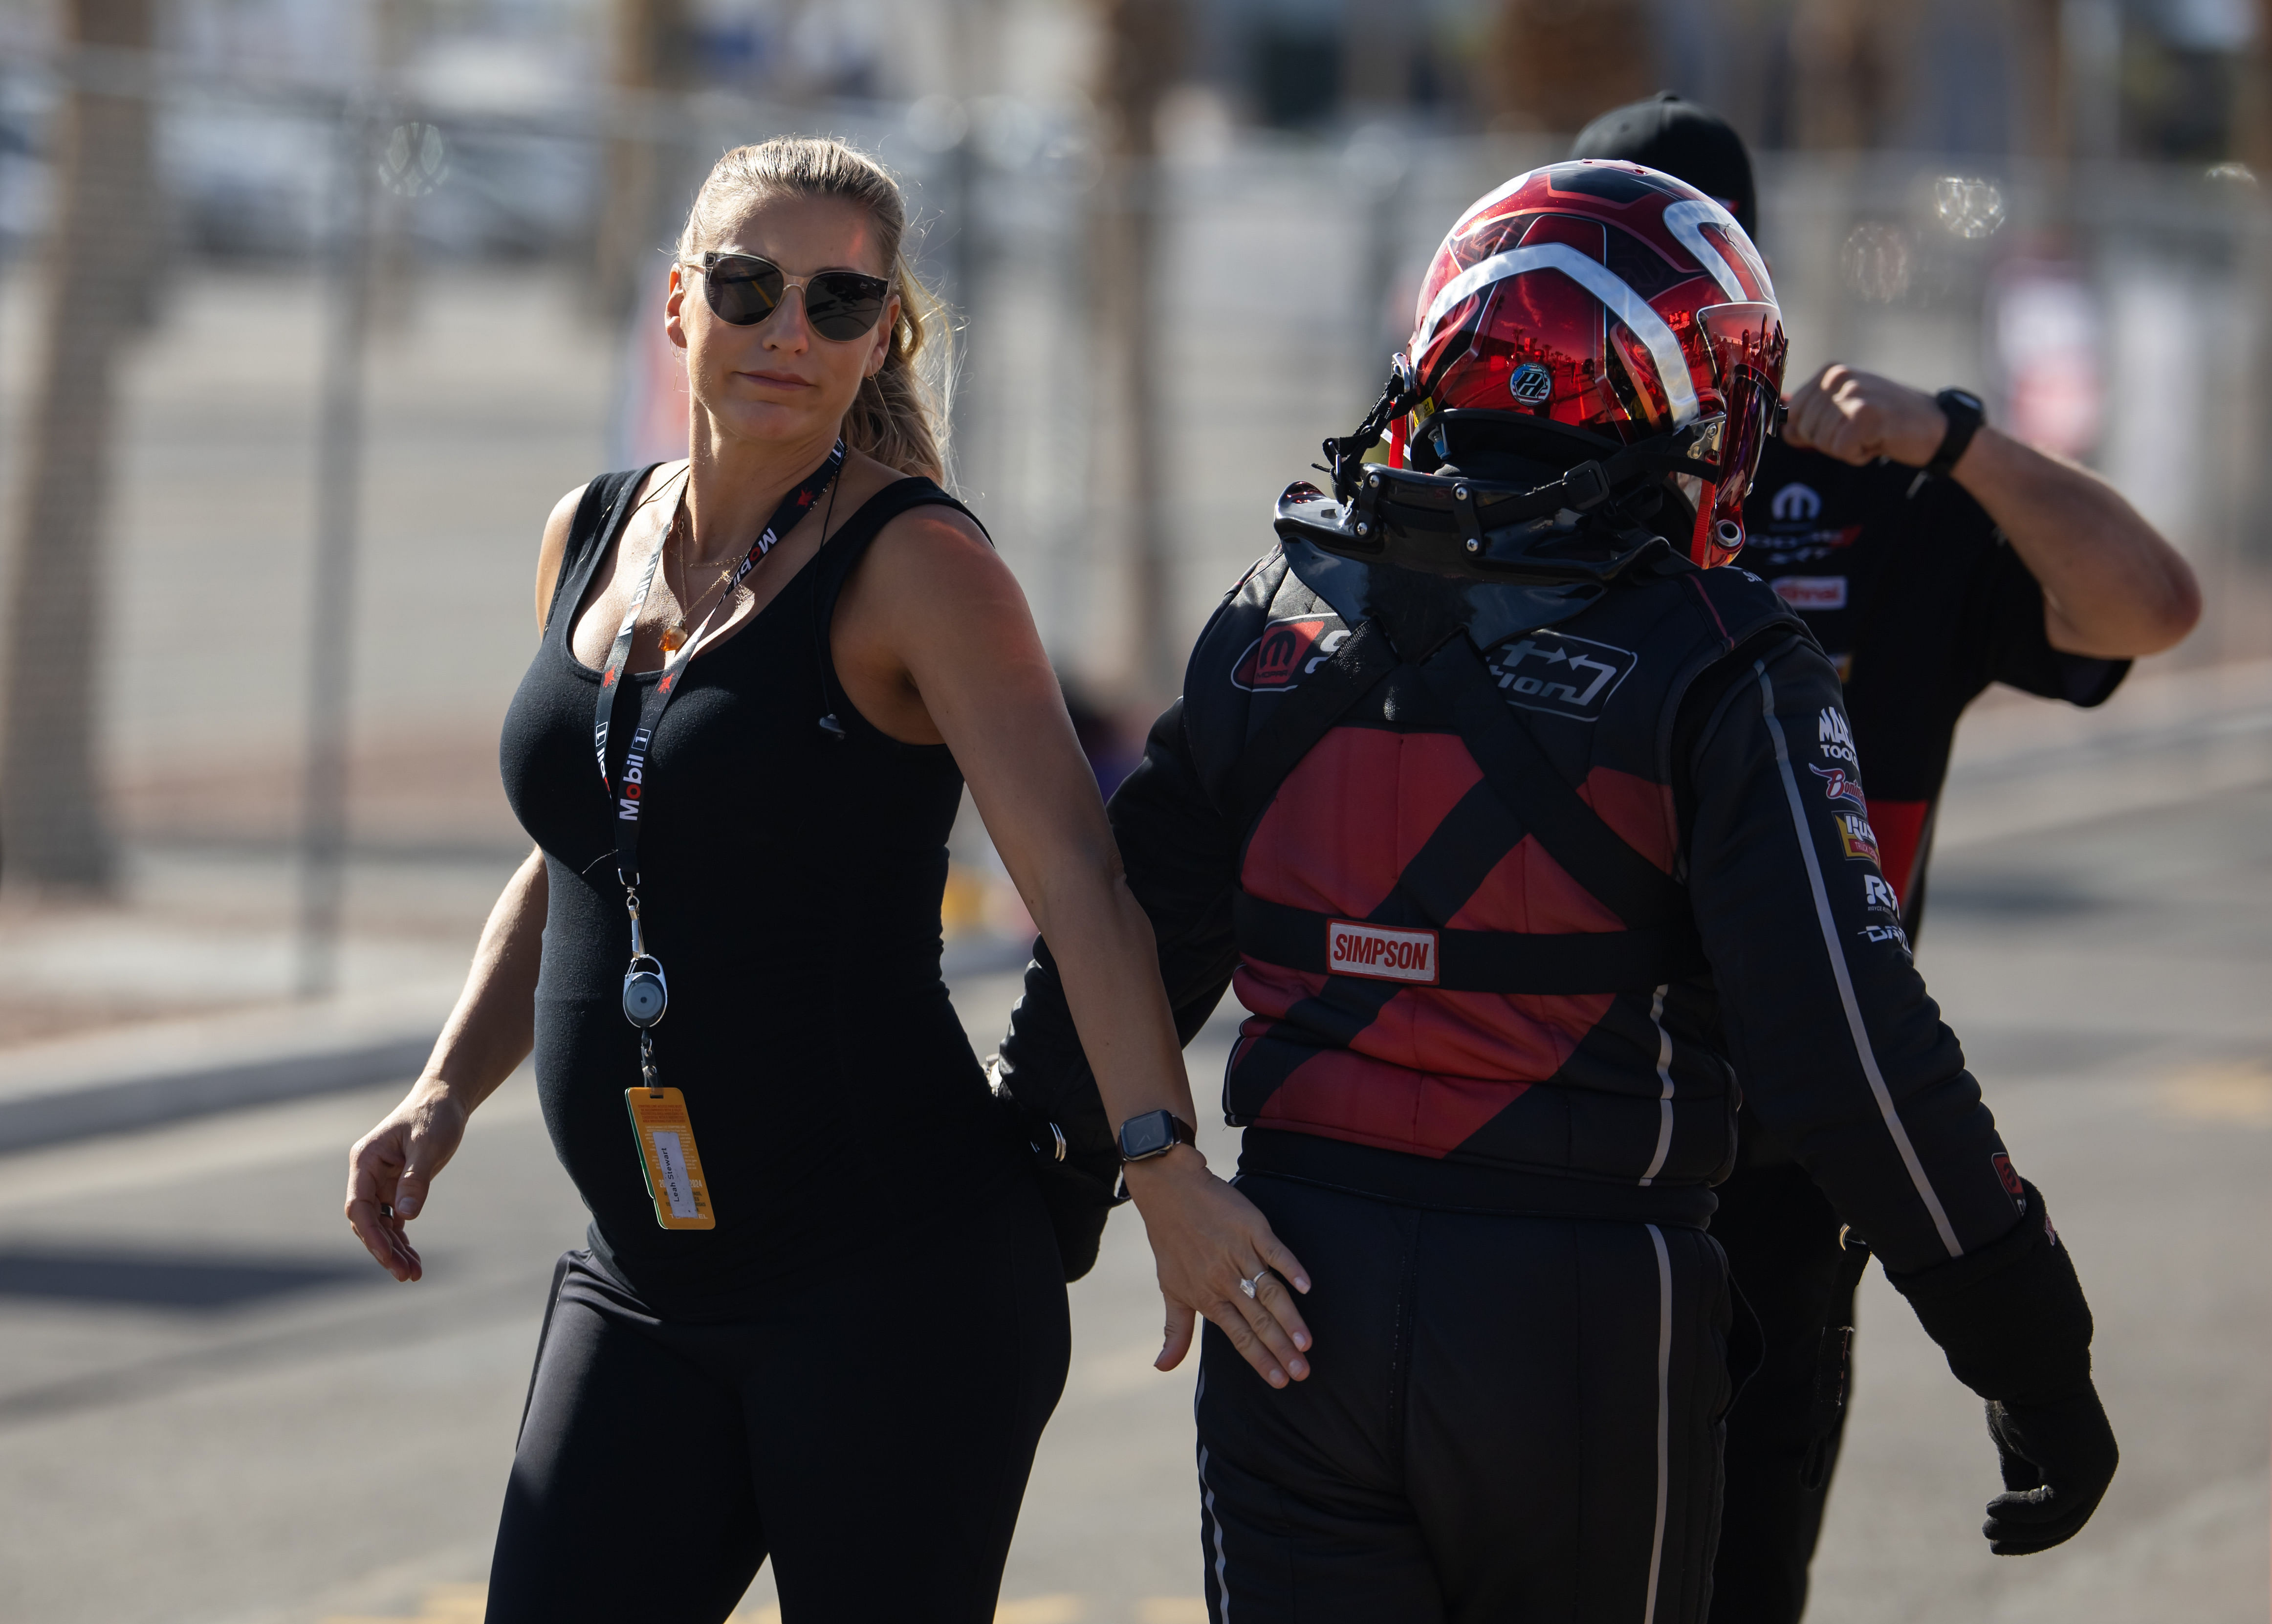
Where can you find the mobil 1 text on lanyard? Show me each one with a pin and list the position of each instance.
(645, 993)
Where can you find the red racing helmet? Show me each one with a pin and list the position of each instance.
(1601, 317)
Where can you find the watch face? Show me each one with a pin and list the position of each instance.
(1146, 1135)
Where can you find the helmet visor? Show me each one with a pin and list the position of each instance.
(1748, 349)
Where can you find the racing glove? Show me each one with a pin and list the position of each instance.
(2012, 1320)
(2057, 1457)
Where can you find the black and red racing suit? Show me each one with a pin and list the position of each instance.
(1485, 1101)
(1921, 604)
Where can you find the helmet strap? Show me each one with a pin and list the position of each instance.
(1345, 453)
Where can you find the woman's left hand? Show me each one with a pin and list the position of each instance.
(1210, 1245)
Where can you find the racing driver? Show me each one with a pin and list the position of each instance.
(1499, 800)
(1931, 556)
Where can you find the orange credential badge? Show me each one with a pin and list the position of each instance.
(669, 1159)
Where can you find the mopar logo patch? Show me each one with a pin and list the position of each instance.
(1569, 676)
(1795, 502)
(1286, 651)
(1532, 383)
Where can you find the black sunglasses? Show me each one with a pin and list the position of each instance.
(744, 289)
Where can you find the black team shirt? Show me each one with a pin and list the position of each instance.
(1921, 604)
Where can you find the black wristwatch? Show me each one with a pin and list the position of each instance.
(1965, 415)
(1155, 1133)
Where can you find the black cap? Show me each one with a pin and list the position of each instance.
(1685, 142)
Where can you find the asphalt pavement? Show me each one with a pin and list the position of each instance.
(214, 1410)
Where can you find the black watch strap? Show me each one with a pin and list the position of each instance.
(1155, 1133)
(1965, 415)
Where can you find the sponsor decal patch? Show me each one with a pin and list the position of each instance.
(1810, 592)
(1784, 545)
(1835, 738)
(1286, 651)
(1837, 787)
(1381, 952)
(1880, 894)
(1879, 934)
(1798, 530)
(1860, 841)
(1532, 383)
(1796, 503)
(1569, 676)
(2010, 1176)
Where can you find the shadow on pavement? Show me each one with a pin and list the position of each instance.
(154, 1280)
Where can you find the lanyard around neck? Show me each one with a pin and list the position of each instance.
(630, 794)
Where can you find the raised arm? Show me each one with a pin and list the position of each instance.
(2113, 588)
(942, 618)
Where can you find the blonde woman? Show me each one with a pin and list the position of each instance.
(821, 1316)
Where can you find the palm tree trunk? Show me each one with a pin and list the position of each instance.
(52, 809)
(1142, 53)
(652, 54)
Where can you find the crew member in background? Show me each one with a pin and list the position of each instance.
(1931, 555)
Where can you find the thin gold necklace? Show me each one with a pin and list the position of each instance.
(674, 635)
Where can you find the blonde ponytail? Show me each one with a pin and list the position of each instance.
(897, 416)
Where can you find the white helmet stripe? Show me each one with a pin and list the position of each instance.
(1686, 220)
(1483, 205)
(1596, 279)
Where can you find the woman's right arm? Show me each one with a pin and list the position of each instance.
(490, 1031)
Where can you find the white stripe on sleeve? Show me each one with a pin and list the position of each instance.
(1838, 956)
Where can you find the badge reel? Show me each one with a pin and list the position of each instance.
(647, 993)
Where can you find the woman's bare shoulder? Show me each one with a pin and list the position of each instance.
(936, 549)
(554, 548)
(560, 528)
(934, 524)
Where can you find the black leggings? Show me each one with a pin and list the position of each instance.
(871, 1433)
(1512, 1419)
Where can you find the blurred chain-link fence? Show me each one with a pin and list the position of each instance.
(291, 372)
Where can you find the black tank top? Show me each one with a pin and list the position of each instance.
(792, 862)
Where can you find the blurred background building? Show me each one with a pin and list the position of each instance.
(309, 308)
